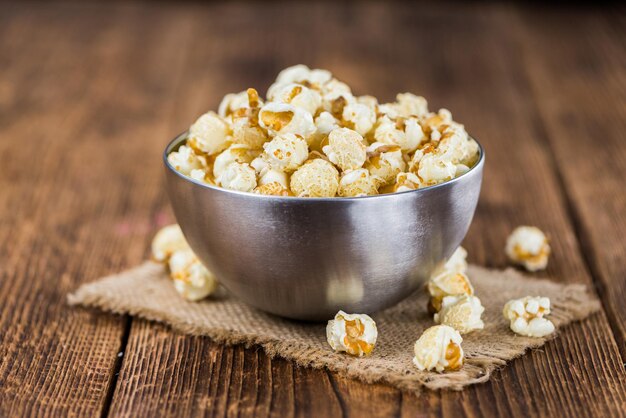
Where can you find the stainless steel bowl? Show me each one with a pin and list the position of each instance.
(307, 258)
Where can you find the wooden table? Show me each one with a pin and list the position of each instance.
(90, 94)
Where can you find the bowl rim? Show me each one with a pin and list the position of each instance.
(182, 136)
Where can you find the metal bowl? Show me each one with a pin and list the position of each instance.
(307, 258)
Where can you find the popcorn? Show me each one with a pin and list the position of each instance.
(358, 182)
(457, 261)
(238, 176)
(235, 153)
(284, 118)
(526, 316)
(359, 117)
(406, 133)
(191, 279)
(316, 178)
(385, 161)
(273, 188)
(461, 313)
(286, 152)
(185, 160)
(354, 334)
(528, 246)
(439, 348)
(401, 145)
(208, 134)
(298, 95)
(406, 182)
(447, 283)
(345, 149)
(166, 242)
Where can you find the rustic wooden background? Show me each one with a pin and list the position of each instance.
(91, 93)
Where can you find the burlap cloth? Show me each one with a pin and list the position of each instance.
(147, 292)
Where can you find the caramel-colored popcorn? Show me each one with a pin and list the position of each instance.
(526, 316)
(354, 334)
(439, 348)
(461, 313)
(316, 178)
(528, 246)
(273, 189)
(402, 145)
(345, 149)
(191, 279)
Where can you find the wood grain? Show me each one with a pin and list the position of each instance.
(585, 123)
(91, 94)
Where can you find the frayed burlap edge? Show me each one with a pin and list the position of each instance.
(570, 303)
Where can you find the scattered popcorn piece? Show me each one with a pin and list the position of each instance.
(166, 242)
(528, 246)
(236, 153)
(527, 316)
(358, 182)
(284, 118)
(191, 279)
(461, 313)
(316, 178)
(208, 134)
(345, 149)
(354, 334)
(447, 283)
(286, 152)
(385, 161)
(185, 160)
(238, 176)
(457, 261)
(439, 348)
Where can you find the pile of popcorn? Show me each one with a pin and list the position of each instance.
(455, 308)
(313, 138)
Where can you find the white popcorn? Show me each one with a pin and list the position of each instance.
(411, 105)
(439, 348)
(302, 74)
(208, 134)
(235, 101)
(335, 101)
(273, 176)
(316, 178)
(324, 124)
(406, 182)
(191, 279)
(526, 316)
(238, 176)
(447, 283)
(354, 334)
(359, 117)
(298, 95)
(284, 118)
(166, 242)
(461, 313)
(407, 133)
(345, 149)
(385, 161)
(433, 121)
(235, 153)
(200, 175)
(184, 160)
(457, 261)
(286, 152)
(359, 182)
(336, 86)
(528, 246)
(433, 169)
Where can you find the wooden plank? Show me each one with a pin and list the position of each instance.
(448, 57)
(70, 96)
(580, 89)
